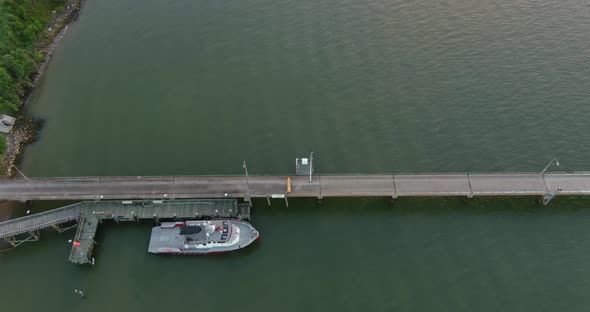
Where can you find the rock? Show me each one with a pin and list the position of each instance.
(25, 131)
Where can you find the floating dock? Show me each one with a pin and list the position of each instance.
(88, 215)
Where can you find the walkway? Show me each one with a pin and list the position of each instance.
(389, 185)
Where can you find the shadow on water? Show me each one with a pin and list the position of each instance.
(442, 206)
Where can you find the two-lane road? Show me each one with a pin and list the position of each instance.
(388, 185)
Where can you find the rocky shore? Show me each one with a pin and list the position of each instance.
(26, 129)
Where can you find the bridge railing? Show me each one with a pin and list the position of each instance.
(167, 177)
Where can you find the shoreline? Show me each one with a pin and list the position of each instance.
(56, 31)
(26, 128)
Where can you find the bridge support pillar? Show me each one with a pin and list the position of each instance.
(547, 198)
(11, 241)
(286, 201)
(14, 241)
(34, 236)
(156, 220)
(392, 200)
(60, 229)
(268, 200)
(320, 199)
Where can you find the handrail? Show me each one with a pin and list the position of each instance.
(170, 177)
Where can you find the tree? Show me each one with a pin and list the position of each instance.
(22, 22)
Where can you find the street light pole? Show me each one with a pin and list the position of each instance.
(543, 172)
(549, 164)
(310, 166)
(22, 174)
(247, 188)
(246, 170)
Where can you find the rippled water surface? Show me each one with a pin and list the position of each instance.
(195, 87)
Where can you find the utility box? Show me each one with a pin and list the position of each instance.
(304, 166)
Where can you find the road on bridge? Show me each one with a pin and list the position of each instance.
(387, 185)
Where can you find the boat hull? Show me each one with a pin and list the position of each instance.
(171, 238)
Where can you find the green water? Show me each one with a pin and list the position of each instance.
(195, 87)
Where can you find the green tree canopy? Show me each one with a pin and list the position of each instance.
(22, 24)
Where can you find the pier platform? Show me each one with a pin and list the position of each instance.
(88, 215)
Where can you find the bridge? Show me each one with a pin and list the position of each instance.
(186, 197)
(546, 185)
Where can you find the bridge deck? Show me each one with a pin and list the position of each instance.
(321, 186)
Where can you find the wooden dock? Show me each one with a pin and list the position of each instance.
(321, 186)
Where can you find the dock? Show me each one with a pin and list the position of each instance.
(86, 216)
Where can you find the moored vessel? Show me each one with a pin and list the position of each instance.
(201, 237)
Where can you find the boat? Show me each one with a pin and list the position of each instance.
(201, 237)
